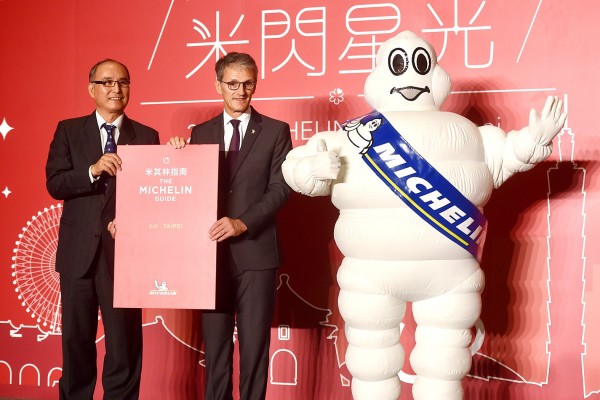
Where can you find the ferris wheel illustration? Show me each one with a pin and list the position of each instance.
(37, 284)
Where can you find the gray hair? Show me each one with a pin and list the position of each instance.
(240, 59)
(99, 63)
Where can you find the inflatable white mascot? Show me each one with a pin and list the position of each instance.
(410, 182)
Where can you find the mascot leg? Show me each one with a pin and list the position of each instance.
(372, 325)
(441, 357)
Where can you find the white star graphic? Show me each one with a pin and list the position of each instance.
(5, 128)
(6, 192)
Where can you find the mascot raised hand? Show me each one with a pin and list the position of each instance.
(410, 182)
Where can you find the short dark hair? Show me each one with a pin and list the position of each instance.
(99, 63)
(243, 60)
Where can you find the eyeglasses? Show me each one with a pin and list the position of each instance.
(110, 83)
(235, 85)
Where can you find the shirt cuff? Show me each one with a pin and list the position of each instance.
(92, 179)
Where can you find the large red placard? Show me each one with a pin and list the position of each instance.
(166, 202)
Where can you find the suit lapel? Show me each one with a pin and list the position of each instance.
(126, 133)
(218, 132)
(126, 137)
(93, 140)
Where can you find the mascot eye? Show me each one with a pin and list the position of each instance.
(398, 61)
(421, 60)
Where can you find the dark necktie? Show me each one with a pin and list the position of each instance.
(111, 145)
(234, 146)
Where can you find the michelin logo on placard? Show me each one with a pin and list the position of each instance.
(162, 289)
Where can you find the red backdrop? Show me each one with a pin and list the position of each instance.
(542, 299)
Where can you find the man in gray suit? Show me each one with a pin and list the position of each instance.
(251, 191)
(81, 168)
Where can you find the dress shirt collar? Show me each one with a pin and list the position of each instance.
(244, 118)
(117, 122)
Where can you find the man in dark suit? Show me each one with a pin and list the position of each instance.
(79, 173)
(251, 191)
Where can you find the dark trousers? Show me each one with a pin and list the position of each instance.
(247, 297)
(80, 300)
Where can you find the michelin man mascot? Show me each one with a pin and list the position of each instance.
(410, 182)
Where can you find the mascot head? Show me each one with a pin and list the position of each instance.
(406, 76)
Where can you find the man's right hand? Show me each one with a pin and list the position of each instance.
(109, 163)
(177, 142)
(112, 228)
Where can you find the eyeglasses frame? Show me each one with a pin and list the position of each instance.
(237, 84)
(124, 83)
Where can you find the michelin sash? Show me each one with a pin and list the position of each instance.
(419, 185)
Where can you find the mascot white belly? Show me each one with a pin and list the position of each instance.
(395, 253)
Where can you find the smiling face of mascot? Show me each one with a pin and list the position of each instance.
(406, 76)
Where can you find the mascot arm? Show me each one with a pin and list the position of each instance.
(523, 149)
(310, 169)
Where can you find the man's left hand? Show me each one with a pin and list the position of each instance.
(225, 228)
